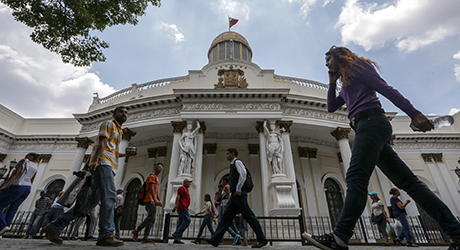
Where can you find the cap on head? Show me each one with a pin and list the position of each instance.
(187, 180)
(120, 189)
(373, 193)
(43, 192)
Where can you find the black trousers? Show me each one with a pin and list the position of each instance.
(238, 204)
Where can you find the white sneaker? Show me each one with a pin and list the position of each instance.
(4, 230)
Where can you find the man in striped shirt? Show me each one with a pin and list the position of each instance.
(104, 164)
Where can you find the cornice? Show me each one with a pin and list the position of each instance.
(324, 115)
(232, 135)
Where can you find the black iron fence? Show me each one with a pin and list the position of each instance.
(276, 228)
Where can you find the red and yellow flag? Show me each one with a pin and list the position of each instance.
(231, 21)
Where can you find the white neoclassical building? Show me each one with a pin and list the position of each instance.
(296, 151)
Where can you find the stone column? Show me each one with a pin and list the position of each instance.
(161, 156)
(43, 160)
(171, 190)
(310, 190)
(341, 135)
(264, 173)
(198, 171)
(126, 137)
(256, 194)
(210, 150)
(439, 180)
(288, 159)
(451, 186)
(317, 177)
(82, 146)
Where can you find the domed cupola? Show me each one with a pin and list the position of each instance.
(229, 46)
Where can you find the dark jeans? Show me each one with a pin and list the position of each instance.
(11, 197)
(405, 232)
(235, 205)
(372, 147)
(53, 214)
(182, 223)
(207, 221)
(149, 220)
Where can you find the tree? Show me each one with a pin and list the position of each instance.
(64, 26)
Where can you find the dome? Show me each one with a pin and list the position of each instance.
(229, 46)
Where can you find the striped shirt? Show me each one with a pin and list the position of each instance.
(42, 204)
(112, 131)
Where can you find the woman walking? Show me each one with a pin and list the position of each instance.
(371, 147)
(399, 211)
(380, 215)
(208, 211)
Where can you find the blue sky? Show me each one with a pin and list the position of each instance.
(415, 42)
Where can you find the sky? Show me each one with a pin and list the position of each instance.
(416, 43)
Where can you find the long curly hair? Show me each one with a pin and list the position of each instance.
(346, 60)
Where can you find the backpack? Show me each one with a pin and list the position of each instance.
(213, 212)
(248, 184)
(142, 193)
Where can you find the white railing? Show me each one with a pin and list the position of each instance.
(301, 82)
(135, 88)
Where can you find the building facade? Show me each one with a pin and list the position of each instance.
(296, 151)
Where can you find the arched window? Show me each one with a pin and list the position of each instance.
(54, 188)
(129, 219)
(334, 199)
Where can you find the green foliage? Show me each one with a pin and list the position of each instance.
(64, 26)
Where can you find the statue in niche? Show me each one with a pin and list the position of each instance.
(187, 145)
(274, 148)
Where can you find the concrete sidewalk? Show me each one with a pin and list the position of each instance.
(16, 243)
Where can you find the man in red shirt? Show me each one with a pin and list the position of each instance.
(182, 203)
(152, 200)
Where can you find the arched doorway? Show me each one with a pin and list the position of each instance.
(130, 207)
(334, 199)
(54, 188)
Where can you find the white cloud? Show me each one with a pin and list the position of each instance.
(175, 33)
(307, 5)
(409, 24)
(457, 67)
(453, 111)
(35, 82)
(235, 9)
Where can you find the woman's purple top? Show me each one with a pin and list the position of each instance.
(361, 94)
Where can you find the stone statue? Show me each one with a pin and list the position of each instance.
(274, 148)
(187, 145)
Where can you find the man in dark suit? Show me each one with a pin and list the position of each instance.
(238, 203)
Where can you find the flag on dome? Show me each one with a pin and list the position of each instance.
(231, 21)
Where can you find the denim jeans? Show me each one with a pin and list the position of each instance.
(405, 232)
(372, 147)
(207, 221)
(182, 223)
(11, 197)
(117, 222)
(150, 220)
(104, 191)
(34, 221)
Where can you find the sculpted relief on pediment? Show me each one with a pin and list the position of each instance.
(231, 78)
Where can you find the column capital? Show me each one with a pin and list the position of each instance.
(437, 157)
(83, 142)
(162, 151)
(341, 133)
(178, 126)
(210, 148)
(303, 152)
(86, 159)
(307, 152)
(253, 149)
(260, 126)
(202, 128)
(427, 157)
(45, 158)
(286, 125)
(128, 134)
(152, 152)
(2, 157)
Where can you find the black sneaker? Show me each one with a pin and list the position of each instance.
(325, 242)
(455, 245)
